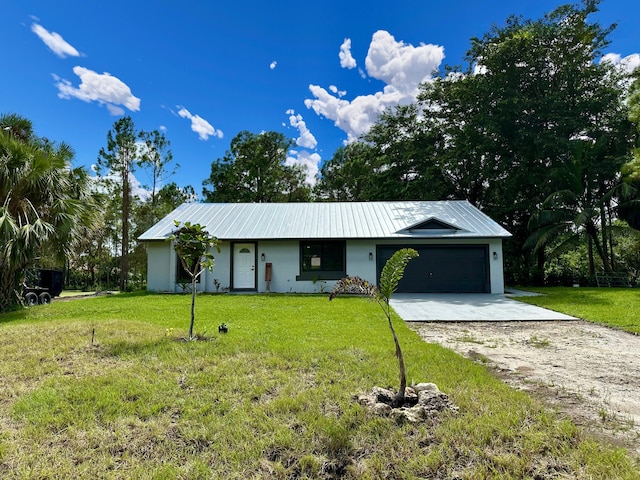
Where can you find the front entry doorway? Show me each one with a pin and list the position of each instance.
(244, 266)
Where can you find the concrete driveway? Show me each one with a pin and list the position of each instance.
(471, 307)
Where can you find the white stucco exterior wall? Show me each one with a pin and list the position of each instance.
(162, 267)
(159, 267)
(221, 269)
(358, 263)
(496, 266)
(284, 257)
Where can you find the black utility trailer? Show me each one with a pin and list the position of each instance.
(49, 286)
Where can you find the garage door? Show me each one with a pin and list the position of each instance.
(442, 268)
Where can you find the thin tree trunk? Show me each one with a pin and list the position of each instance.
(613, 259)
(193, 307)
(592, 268)
(540, 257)
(604, 228)
(124, 249)
(592, 231)
(399, 399)
(153, 198)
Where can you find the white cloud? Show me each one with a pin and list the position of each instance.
(628, 63)
(115, 110)
(55, 42)
(111, 177)
(479, 69)
(357, 116)
(346, 59)
(612, 58)
(306, 138)
(102, 88)
(335, 91)
(199, 125)
(273, 65)
(403, 67)
(306, 159)
(137, 189)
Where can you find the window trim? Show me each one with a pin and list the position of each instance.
(321, 274)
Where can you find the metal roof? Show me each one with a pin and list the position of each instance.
(337, 220)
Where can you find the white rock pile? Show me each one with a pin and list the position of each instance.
(422, 402)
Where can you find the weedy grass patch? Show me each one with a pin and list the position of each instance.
(614, 307)
(272, 398)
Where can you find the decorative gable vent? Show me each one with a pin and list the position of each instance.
(432, 226)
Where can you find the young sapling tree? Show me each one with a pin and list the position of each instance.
(391, 274)
(193, 244)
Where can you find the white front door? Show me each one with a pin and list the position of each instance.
(244, 265)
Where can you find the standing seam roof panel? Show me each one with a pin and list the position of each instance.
(329, 220)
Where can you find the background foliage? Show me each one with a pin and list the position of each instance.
(534, 129)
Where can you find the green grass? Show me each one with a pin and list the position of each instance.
(273, 398)
(614, 307)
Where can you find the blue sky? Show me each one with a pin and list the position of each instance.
(319, 72)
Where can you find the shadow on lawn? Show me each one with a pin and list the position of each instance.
(15, 316)
(125, 348)
(137, 348)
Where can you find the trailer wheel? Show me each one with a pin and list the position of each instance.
(31, 299)
(45, 298)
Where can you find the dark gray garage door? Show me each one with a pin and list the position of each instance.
(442, 268)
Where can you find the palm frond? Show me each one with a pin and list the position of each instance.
(571, 242)
(543, 235)
(393, 271)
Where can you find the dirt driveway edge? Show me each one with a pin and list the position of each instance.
(584, 370)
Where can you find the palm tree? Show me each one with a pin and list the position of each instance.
(572, 214)
(18, 126)
(629, 204)
(391, 274)
(42, 201)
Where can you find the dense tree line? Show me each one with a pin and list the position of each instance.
(55, 215)
(254, 169)
(129, 150)
(45, 204)
(629, 192)
(534, 131)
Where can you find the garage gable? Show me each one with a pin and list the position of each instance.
(431, 225)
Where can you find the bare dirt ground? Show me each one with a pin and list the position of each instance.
(586, 371)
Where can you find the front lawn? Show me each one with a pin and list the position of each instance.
(614, 307)
(273, 398)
